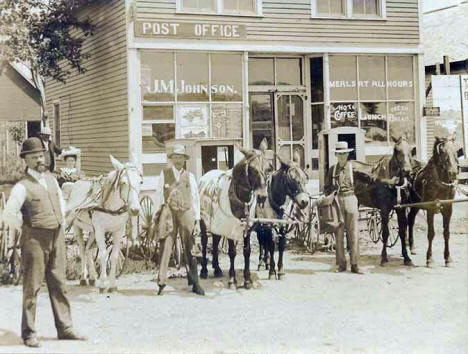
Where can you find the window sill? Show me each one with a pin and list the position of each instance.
(218, 14)
(349, 18)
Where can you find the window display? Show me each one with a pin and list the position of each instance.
(193, 121)
(374, 122)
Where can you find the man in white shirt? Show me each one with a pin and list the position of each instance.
(177, 188)
(36, 206)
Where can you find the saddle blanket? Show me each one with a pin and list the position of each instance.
(215, 208)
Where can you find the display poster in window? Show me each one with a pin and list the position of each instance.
(192, 122)
(344, 115)
(374, 122)
(226, 121)
(401, 120)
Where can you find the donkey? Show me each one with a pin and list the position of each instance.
(385, 185)
(287, 182)
(436, 180)
(225, 198)
(100, 209)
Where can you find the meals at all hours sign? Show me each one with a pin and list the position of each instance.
(168, 29)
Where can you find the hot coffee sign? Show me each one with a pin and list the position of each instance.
(169, 29)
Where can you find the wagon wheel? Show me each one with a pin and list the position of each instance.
(392, 230)
(148, 246)
(374, 227)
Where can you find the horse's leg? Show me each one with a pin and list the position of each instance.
(232, 271)
(218, 273)
(114, 258)
(102, 255)
(90, 259)
(446, 216)
(78, 233)
(281, 247)
(411, 219)
(261, 250)
(384, 215)
(270, 244)
(430, 237)
(204, 242)
(247, 279)
(402, 225)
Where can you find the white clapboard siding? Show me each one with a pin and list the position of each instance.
(291, 21)
(94, 106)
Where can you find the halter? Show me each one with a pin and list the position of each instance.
(437, 148)
(250, 187)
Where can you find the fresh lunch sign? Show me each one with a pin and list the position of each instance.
(169, 29)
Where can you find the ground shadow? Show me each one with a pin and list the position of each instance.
(8, 338)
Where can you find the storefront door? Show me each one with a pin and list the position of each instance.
(290, 127)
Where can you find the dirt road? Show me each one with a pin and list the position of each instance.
(392, 309)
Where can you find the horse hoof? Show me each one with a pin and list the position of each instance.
(113, 289)
(203, 274)
(408, 263)
(383, 262)
(429, 263)
(413, 251)
(248, 284)
(92, 282)
(448, 261)
(218, 273)
(232, 285)
(102, 290)
(83, 282)
(281, 276)
(271, 275)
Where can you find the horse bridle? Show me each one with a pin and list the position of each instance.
(250, 187)
(437, 147)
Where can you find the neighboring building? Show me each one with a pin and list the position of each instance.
(19, 107)
(217, 72)
(445, 34)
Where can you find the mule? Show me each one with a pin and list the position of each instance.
(287, 183)
(377, 186)
(436, 180)
(102, 207)
(225, 199)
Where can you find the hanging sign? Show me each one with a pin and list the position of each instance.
(431, 111)
(170, 29)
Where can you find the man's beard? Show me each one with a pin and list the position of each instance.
(40, 167)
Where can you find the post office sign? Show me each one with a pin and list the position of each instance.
(170, 29)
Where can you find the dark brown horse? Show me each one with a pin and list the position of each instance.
(225, 198)
(288, 181)
(436, 180)
(377, 186)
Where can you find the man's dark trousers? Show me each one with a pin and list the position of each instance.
(43, 254)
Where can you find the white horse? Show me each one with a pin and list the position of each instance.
(100, 206)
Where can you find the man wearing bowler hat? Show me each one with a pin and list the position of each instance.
(38, 199)
(50, 148)
(339, 180)
(178, 190)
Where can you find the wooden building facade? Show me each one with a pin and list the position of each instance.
(217, 72)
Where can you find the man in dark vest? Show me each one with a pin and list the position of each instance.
(177, 188)
(38, 198)
(339, 180)
(50, 148)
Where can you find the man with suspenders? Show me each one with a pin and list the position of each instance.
(339, 180)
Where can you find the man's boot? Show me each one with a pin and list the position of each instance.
(355, 269)
(197, 289)
(193, 277)
(161, 288)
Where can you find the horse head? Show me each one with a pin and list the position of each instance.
(127, 180)
(249, 172)
(445, 156)
(291, 179)
(403, 153)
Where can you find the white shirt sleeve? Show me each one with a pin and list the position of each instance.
(159, 200)
(195, 197)
(12, 214)
(61, 200)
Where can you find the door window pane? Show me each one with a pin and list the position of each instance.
(400, 78)
(156, 135)
(288, 71)
(343, 78)
(330, 7)
(261, 71)
(157, 76)
(316, 79)
(283, 118)
(226, 77)
(297, 117)
(299, 150)
(317, 123)
(374, 122)
(192, 77)
(401, 120)
(261, 113)
(226, 120)
(343, 115)
(372, 77)
(284, 152)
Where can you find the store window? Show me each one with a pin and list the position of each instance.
(158, 127)
(375, 93)
(261, 71)
(348, 8)
(288, 71)
(226, 77)
(220, 7)
(157, 76)
(192, 77)
(275, 71)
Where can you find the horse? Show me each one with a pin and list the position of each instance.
(287, 182)
(225, 198)
(104, 206)
(436, 180)
(385, 185)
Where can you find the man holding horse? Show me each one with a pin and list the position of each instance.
(339, 180)
(38, 198)
(177, 190)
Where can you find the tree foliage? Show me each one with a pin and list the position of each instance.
(46, 35)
